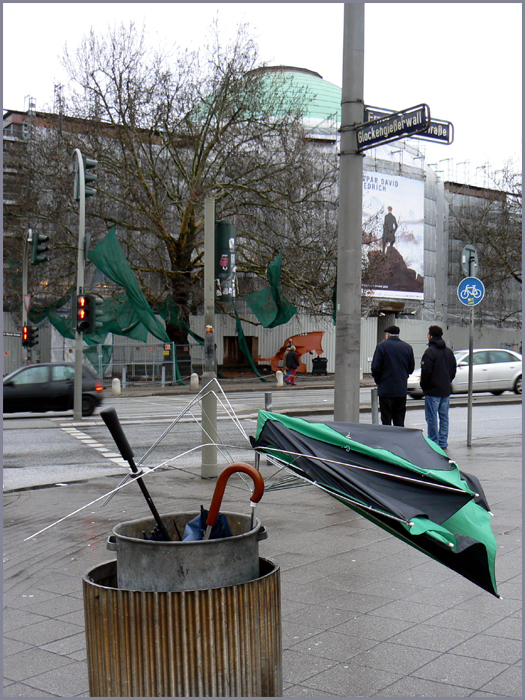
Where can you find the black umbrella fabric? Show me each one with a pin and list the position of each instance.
(396, 478)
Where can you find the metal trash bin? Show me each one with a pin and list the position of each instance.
(147, 565)
(319, 365)
(216, 641)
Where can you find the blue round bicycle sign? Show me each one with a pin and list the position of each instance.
(471, 291)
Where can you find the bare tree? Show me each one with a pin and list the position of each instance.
(491, 220)
(493, 223)
(167, 132)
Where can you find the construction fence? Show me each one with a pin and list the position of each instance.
(162, 363)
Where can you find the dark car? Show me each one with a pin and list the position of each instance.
(50, 387)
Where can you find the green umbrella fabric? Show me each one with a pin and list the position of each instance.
(396, 478)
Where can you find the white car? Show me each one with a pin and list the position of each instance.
(493, 370)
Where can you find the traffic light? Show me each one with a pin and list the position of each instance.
(39, 248)
(26, 336)
(29, 336)
(33, 338)
(89, 178)
(87, 312)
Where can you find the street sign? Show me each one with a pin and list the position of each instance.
(438, 129)
(393, 127)
(469, 261)
(471, 291)
(27, 301)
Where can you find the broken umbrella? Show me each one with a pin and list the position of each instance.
(397, 479)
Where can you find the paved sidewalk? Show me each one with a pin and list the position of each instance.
(362, 613)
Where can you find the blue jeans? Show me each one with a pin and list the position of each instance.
(437, 406)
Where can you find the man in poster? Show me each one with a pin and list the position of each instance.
(389, 229)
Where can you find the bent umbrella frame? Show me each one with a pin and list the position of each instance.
(396, 478)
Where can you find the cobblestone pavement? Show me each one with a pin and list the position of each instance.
(362, 613)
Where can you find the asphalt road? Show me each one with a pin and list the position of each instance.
(48, 449)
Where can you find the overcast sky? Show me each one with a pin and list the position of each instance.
(463, 59)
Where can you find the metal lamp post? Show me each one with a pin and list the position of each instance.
(209, 469)
(348, 312)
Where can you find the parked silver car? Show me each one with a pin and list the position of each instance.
(493, 370)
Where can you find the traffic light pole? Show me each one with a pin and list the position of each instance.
(348, 311)
(27, 241)
(77, 396)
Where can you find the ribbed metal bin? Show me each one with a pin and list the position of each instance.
(218, 642)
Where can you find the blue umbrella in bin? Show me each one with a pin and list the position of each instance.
(214, 525)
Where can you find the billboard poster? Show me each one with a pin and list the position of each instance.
(393, 236)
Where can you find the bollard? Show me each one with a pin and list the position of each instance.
(162, 376)
(375, 404)
(124, 377)
(279, 378)
(268, 405)
(115, 387)
(194, 382)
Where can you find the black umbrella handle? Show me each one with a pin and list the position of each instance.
(110, 418)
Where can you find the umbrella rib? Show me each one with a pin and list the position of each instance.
(341, 496)
(366, 469)
(362, 505)
(230, 412)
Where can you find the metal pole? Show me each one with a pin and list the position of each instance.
(348, 312)
(470, 373)
(374, 402)
(209, 468)
(28, 239)
(77, 396)
(471, 263)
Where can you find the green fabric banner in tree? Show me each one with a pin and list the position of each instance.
(118, 316)
(269, 305)
(108, 257)
(244, 345)
(171, 314)
(37, 315)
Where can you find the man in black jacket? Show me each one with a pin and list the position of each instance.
(392, 363)
(438, 369)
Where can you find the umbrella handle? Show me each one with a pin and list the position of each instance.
(110, 418)
(221, 485)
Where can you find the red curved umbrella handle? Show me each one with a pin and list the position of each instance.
(221, 485)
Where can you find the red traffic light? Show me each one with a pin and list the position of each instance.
(29, 336)
(83, 313)
(87, 312)
(26, 336)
